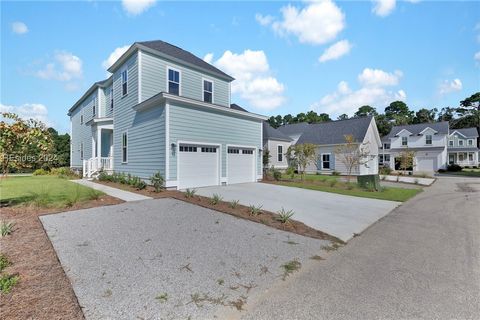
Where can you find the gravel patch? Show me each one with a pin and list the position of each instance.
(168, 259)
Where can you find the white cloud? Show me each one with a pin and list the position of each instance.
(317, 23)
(379, 78)
(19, 27)
(208, 58)
(253, 79)
(372, 91)
(27, 111)
(114, 56)
(336, 51)
(64, 67)
(450, 86)
(476, 56)
(383, 8)
(136, 7)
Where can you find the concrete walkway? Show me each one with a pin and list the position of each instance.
(338, 215)
(114, 192)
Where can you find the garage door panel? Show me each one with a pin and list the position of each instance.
(426, 164)
(241, 165)
(198, 168)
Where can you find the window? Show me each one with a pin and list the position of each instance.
(470, 156)
(450, 143)
(386, 158)
(111, 98)
(404, 141)
(326, 161)
(380, 159)
(124, 147)
(94, 110)
(233, 150)
(173, 82)
(207, 91)
(188, 149)
(81, 119)
(81, 150)
(461, 156)
(386, 146)
(124, 82)
(428, 139)
(209, 149)
(460, 143)
(280, 153)
(247, 151)
(470, 142)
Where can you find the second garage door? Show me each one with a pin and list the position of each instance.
(241, 165)
(426, 164)
(198, 166)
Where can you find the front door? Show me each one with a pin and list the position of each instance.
(451, 158)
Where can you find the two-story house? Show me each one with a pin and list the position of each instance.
(427, 140)
(166, 110)
(463, 147)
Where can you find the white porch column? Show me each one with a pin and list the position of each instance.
(99, 147)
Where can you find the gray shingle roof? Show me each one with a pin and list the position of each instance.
(293, 129)
(467, 132)
(440, 127)
(333, 132)
(179, 53)
(237, 107)
(270, 133)
(469, 149)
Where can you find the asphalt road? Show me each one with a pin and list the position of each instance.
(422, 261)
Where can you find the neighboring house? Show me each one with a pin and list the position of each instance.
(166, 110)
(427, 140)
(277, 145)
(328, 136)
(463, 147)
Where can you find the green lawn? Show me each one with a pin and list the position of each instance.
(43, 191)
(466, 172)
(332, 184)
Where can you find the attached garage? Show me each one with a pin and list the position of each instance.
(240, 165)
(198, 166)
(426, 164)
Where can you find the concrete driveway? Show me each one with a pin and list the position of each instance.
(338, 215)
(168, 259)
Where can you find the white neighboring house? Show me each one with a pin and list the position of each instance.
(463, 147)
(277, 144)
(427, 140)
(327, 136)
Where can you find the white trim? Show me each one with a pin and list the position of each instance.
(458, 133)
(468, 142)
(421, 132)
(255, 155)
(329, 160)
(462, 144)
(121, 81)
(121, 146)
(171, 183)
(168, 67)
(229, 94)
(99, 103)
(398, 134)
(139, 67)
(168, 150)
(401, 141)
(203, 90)
(279, 152)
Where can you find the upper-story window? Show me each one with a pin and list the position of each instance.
(470, 142)
(124, 82)
(404, 141)
(428, 139)
(207, 91)
(460, 143)
(81, 119)
(450, 143)
(111, 98)
(174, 82)
(386, 146)
(94, 109)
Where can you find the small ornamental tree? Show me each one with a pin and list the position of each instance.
(406, 158)
(352, 154)
(301, 155)
(266, 158)
(22, 142)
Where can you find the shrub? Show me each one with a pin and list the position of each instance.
(7, 282)
(335, 173)
(284, 216)
(255, 211)
(93, 194)
(157, 181)
(442, 170)
(140, 184)
(3, 262)
(290, 172)
(73, 197)
(215, 199)
(385, 170)
(190, 193)
(233, 204)
(454, 168)
(277, 175)
(40, 172)
(6, 228)
(370, 182)
(103, 176)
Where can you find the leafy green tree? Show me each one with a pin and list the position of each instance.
(352, 154)
(61, 148)
(301, 117)
(343, 116)
(366, 110)
(301, 155)
(323, 117)
(470, 110)
(272, 121)
(399, 112)
(425, 115)
(287, 119)
(446, 114)
(384, 126)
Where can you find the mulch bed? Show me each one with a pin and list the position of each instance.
(43, 291)
(267, 218)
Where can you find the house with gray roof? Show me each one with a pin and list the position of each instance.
(328, 136)
(165, 110)
(277, 144)
(463, 147)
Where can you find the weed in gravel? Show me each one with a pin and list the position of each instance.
(186, 267)
(190, 193)
(107, 293)
(291, 242)
(237, 304)
(220, 282)
(233, 204)
(4, 262)
(284, 216)
(264, 270)
(6, 228)
(317, 257)
(290, 267)
(7, 282)
(215, 199)
(332, 246)
(199, 300)
(255, 210)
(248, 287)
(163, 297)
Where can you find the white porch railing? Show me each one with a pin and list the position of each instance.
(94, 165)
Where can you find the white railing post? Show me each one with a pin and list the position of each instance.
(84, 172)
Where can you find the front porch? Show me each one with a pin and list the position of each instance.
(102, 148)
(463, 158)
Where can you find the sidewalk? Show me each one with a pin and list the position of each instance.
(114, 192)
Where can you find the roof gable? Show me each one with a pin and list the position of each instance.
(414, 129)
(466, 132)
(270, 133)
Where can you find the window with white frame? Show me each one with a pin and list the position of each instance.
(173, 82)
(326, 161)
(404, 141)
(386, 158)
(94, 109)
(81, 119)
(450, 143)
(111, 98)
(386, 146)
(81, 150)
(380, 159)
(280, 153)
(470, 156)
(124, 82)
(124, 147)
(470, 142)
(208, 91)
(460, 143)
(428, 139)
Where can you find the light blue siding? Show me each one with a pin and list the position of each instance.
(193, 124)
(82, 132)
(154, 80)
(145, 129)
(107, 111)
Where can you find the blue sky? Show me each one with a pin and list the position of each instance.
(287, 57)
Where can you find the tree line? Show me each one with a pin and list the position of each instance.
(466, 115)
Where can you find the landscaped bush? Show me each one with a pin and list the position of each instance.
(40, 172)
(335, 173)
(277, 175)
(385, 170)
(454, 168)
(369, 182)
(123, 178)
(290, 172)
(442, 170)
(157, 181)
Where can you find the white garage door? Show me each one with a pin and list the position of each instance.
(426, 164)
(241, 165)
(198, 166)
